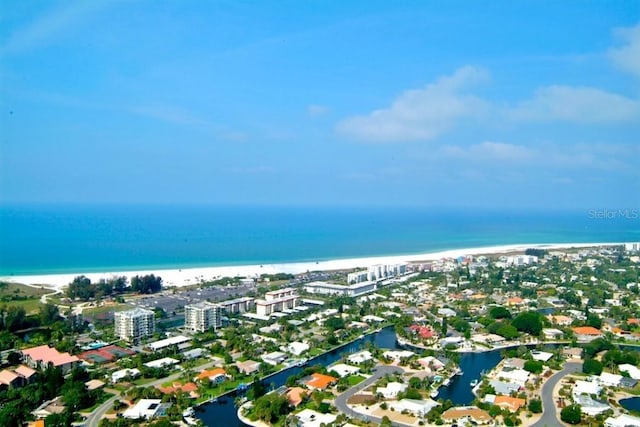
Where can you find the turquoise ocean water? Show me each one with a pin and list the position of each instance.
(66, 239)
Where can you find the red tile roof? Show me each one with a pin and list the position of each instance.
(321, 381)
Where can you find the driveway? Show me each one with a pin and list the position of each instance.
(341, 401)
(550, 416)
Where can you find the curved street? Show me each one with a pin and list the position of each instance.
(341, 400)
(93, 420)
(550, 416)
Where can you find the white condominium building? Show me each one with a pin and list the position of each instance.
(202, 316)
(279, 300)
(133, 325)
(238, 305)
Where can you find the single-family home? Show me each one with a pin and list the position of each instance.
(609, 379)
(124, 373)
(467, 413)
(147, 409)
(391, 390)
(360, 357)
(587, 333)
(311, 418)
(581, 387)
(552, 334)
(274, 358)
(248, 367)
(631, 370)
(216, 376)
(320, 381)
(297, 348)
(418, 408)
(623, 420)
(344, 370)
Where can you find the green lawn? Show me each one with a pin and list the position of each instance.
(316, 352)
(10, 289)
(355, 379)
(31, 306)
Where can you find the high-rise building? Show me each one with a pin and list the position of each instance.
(133, 325)
(202, 316)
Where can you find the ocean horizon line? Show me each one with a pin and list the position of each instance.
(184, 275)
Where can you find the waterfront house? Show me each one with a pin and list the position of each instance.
(216, 376)
(295, 395)
(320, 381)
(590, 406)
(502, 387)
(609, 380)
(297, 348)
(248, 367)
(274, 358)
(397, 355)
(552, 334)
(586, 333)
(147, 409)
(360, 357)
(344, 370)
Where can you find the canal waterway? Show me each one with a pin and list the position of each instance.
(224, 411)
(631, 404)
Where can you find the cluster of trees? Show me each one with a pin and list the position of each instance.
(83, 289)
(271, 408)
(14, 319)
(530, 322)
(16, 404)
(571, 414)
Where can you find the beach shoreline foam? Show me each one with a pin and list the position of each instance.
(193, 276)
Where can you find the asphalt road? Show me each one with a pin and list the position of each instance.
(341, 401)
(550, 416)
(93, 420)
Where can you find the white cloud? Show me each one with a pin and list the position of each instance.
(627, 57)
(576, 104)
(421, 114)
(489, 150)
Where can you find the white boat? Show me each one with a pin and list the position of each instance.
(459, 371)
(189, 412)
(446, 382)
(434, 394)
(474, 383)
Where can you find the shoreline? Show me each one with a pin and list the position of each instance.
(194, 275)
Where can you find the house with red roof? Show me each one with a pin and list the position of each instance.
(42, 356)
(320, 381)
(586, 333)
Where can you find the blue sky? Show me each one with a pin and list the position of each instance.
(447, 103)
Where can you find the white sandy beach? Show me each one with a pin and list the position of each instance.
(193, 276)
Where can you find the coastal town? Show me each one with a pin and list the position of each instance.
(533, 337)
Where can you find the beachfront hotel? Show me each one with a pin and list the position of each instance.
(274, 301)
(202, 316)
(133, 325)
